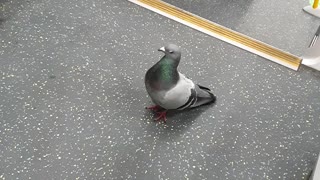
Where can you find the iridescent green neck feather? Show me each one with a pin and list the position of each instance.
(167, 70)
(164, 74)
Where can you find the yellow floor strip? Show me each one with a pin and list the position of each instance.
(222, 33)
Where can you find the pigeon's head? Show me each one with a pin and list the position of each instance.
(171, 51)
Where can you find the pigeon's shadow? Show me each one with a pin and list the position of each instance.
(177, 122)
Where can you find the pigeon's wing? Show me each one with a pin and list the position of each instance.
(204, 96)
(189, 95)
(185, 94)
(199, 95)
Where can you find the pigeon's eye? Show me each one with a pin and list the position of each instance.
(171, 52)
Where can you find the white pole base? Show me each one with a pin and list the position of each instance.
(316, 170)
(311, 56)
(310, 10)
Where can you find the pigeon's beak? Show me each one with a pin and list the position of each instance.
(162, 49)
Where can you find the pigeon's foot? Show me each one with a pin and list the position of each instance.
(155, 108)
(162, 116)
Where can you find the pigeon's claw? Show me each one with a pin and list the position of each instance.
(162, 116)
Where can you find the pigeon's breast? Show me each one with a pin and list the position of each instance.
(175, 97)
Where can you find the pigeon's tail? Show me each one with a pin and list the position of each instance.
(204, 96)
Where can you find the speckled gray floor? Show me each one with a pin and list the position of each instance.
(72, 96)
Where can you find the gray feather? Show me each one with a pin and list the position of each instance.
(204, 96)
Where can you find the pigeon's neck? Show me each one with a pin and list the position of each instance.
(168, 68)
(167, 73)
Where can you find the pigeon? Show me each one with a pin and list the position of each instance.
(171, 90)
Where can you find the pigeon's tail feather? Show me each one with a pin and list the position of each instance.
(204, 96)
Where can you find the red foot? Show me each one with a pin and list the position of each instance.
(155, 108)
(162, 116)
